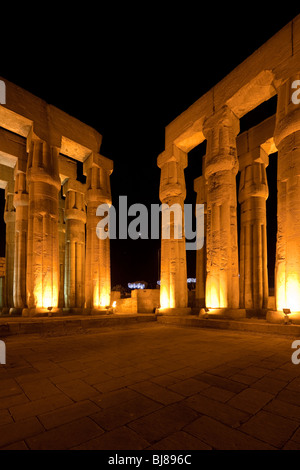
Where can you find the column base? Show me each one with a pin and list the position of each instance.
(99, 311)
(75, 311)
(222, 313)
(42, 312)
(174, 311)
(15, 312)
(5, 311)
(277, 316)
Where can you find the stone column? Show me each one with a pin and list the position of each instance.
(9, 218)
(43, 240)
(62, 246)
(173, 281)
(21, 200)
(287, 140)
(97, 274)
(253, 193)
(75, 217)
(221, 167)
(200, 189)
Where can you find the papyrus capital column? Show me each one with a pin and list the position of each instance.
(172, 191)
(200, 187)
(75, 218)
(253, 193)
(97, 276)
(287, 140)
(221, 166)
(10, 219)
(21, 201)
(43, 240)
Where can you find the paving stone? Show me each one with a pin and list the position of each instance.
(39, 389)
(77, 389)
(284, 409)
(222, 437)
(8, 388)
(188, 387)
(250, 400)
(14, 432)
(218, 394)
(220, 411)
(118, 439)
(5, 417)
(21, 445)
(156, 392)
(270, 428)
(269, 384)
(180, 441)
(66, 436)
(115, 398)
(163, 422)
(117, 416)
(36, 407)
(68, 413)
(221, 382)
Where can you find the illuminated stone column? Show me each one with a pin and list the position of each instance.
(62, 246)
(9, 218)
(253, 193)
(43, 239)
(200, 189)
(97, 274)
(287, 140)
(21, 199)
(75, 217)
(173, 281)
(221, 166)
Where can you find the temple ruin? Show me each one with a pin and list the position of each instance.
(55, 262)
(53, 257)
(232, 277)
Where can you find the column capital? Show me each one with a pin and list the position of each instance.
(42, 162)
(99, 161)
(172, 154)
(75, 202)
(257, 155)
(172, 187)
(221, 130)
(224, 117)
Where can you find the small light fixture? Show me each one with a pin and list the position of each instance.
(286, 312)
(49, 311)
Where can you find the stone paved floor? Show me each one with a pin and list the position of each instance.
(150, 386)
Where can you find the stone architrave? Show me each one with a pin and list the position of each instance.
(221, 167)
(97, 273)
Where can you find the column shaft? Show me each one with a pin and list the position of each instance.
(75, 217)
(287, 140)
(20, 257)
(98, 283)
(43, 239)
(10, 219)
(221, 166)
(253, 192)
(173, 282)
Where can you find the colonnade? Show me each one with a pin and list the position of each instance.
(232, 275)
(54, 260)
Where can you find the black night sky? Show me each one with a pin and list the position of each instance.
(129, 70)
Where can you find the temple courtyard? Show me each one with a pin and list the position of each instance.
(149, 385)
